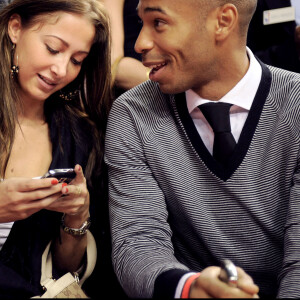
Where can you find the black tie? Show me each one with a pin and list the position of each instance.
(217, 115)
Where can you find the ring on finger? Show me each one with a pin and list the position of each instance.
(78, 190)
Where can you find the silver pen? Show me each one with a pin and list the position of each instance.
(228, 273)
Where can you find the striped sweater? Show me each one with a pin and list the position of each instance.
(173, 209)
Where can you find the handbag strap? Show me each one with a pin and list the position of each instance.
(91, 251)
(91, 254)
(46, 274)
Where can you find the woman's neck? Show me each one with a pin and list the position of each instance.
(31, 114)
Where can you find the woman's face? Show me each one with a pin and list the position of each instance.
(50, 54)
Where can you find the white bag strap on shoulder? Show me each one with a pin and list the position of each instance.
(91, 254)
(46, 275)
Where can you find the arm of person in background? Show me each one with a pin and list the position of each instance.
(297, 39)
(127, 71)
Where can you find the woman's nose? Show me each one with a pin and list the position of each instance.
(59, 67)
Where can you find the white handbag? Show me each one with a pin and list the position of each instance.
(67, 286)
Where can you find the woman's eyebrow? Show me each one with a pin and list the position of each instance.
(65, 43)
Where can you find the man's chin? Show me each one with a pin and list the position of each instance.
(170, 89)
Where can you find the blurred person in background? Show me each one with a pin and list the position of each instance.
(127, 68)
(274, 33)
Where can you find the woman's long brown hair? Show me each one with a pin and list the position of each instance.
(94, 81)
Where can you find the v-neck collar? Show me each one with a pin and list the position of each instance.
(224, 173)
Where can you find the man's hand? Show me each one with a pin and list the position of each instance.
(208, 285)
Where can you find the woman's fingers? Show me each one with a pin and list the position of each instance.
(79, 175)
(28, 184)
(75, 196)
(27, 190)
(21, 197)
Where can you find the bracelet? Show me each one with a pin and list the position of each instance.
(76, 231)
(187, 286)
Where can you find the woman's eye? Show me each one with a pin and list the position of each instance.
(52, 51)
(76, 62)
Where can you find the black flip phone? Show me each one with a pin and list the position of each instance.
(62, 175)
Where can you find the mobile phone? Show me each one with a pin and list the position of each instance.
(62, 175)
(228, 273)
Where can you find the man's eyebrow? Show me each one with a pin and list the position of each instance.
(153, 9)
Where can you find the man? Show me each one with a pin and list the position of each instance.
(179, 204)
(274, 33)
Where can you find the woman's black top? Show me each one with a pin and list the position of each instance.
(20, 256)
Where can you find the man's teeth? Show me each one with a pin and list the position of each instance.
(156, 67)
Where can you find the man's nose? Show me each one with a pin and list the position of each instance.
(144, 41)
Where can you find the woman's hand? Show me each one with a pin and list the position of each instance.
(74, 203)
(22, 197)
(75, 199)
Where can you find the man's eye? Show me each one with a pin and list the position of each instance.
(158, 23)
(52, 51)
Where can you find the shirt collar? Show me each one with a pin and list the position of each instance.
(296, 4)
(242, 94)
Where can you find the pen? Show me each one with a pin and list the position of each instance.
(228, 273)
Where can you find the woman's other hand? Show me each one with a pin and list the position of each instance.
(75, 199)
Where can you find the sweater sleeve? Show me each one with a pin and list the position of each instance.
(290, 272)
(141, 235)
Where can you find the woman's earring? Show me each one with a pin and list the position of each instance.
(68, 96)
(14, 68)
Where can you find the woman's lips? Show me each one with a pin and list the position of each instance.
(47, 83)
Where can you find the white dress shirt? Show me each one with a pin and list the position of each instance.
(296, 4)
(241, 96)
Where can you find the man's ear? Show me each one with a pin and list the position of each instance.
(227, 21)
(14, 28)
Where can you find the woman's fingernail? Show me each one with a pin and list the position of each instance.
(54, 181)
(64, 184)
(67, 190)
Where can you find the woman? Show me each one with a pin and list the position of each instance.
(54, 99)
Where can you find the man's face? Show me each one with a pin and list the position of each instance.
(177, 43)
